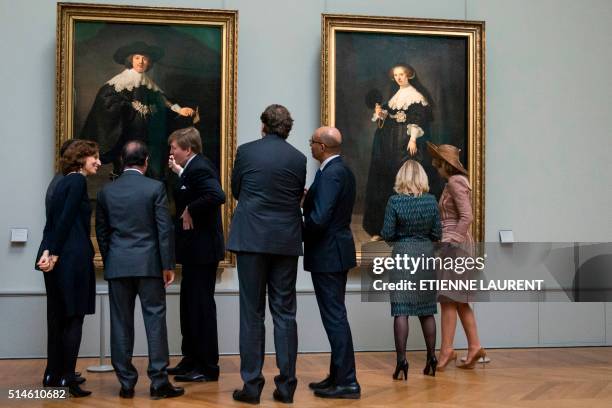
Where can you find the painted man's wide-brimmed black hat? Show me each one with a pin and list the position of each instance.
(138, 47)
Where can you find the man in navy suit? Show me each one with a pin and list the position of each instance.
(199, 248)
(329, 252)
(266, 235)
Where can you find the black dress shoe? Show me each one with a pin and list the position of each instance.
(195, 376)
(350, 391)
(80, 380)
(285, 399)
(49, 380)
(77, 373)
(242, 396)
(326, 383)
(126, 392)
(181, 368)
(166, 391)
(73, 388)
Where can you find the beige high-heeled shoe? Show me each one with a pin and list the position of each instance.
(471, 363)
(453, 357)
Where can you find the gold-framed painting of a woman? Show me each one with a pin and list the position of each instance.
(391, 85)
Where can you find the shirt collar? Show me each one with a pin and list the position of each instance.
(133, 169)
(189, 161)
(326, 162)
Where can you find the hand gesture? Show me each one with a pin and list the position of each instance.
(412, 147)
(173, 165)
(47, 262)
(378, 110)
(44, 263)
(186, 112)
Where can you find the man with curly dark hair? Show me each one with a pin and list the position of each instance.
(266, 235)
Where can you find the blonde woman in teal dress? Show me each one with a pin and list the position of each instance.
(411, 225)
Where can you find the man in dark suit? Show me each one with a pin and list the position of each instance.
(199, 248)
(329, 252)
(266, 235)
(134, 232)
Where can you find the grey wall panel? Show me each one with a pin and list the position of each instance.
(608, 311)
(561, 324)
(24, 327)
(227, 322)
(511, 324)
(566, 323)
(311, 334)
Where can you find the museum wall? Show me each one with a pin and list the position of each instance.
(547, 165)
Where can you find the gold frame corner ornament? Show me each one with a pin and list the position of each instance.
(70, 13)
(473, 31)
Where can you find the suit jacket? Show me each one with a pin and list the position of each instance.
(200, 190)
(328, 206)
(456, 210)
(268, 182)
(134, 227)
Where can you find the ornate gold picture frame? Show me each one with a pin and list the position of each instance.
(193, 55)
(444, 61)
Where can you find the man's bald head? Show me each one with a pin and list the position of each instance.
(134, 154)
(325, 142)
(331, 137)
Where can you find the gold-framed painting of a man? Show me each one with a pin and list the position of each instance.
(139, 73)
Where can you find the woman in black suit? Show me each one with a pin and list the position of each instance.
(67, 261)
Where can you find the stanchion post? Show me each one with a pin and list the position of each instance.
(102, 368)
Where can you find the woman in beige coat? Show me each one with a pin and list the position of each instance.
(456, 216)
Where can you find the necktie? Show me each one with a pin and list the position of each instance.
(317, 176)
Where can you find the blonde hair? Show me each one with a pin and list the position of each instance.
(411, 179)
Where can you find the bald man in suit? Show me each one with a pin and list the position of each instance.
(329, 253)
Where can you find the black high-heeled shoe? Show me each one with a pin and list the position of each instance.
(431, 365)
(401, 367)
(74, 389)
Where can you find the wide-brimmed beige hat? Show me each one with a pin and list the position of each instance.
(448, 153)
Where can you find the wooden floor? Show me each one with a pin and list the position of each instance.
(568, 377)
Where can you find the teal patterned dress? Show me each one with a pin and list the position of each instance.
(411, 226)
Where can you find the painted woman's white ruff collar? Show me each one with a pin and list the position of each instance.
(405, 97)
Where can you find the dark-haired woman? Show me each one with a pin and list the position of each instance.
(402, 127)
(67, 263)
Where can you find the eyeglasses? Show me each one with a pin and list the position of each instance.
(311, 141)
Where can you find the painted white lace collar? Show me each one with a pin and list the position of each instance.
(405, 97)
(130, 79)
